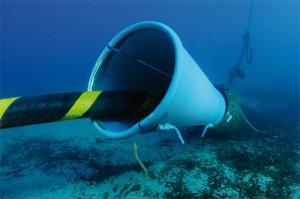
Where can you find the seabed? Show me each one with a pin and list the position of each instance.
(71, 160)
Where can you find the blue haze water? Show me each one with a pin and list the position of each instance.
(49, 47)
(52, 46)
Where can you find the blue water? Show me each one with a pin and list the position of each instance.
(52, 46)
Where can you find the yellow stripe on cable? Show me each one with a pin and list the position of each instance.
(82, 105)
(4, 104)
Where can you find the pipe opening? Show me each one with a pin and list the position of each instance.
(143, 60)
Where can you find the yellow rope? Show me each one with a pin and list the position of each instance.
(135, 146)
(247, 121)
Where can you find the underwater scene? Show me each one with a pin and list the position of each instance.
(150, 99)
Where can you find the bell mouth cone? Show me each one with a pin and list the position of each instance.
(149, 56)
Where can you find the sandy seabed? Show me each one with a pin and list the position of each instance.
(72, 160)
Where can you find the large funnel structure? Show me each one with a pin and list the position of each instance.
(149, 56)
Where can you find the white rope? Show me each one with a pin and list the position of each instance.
(205, 129)
(167, 126)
